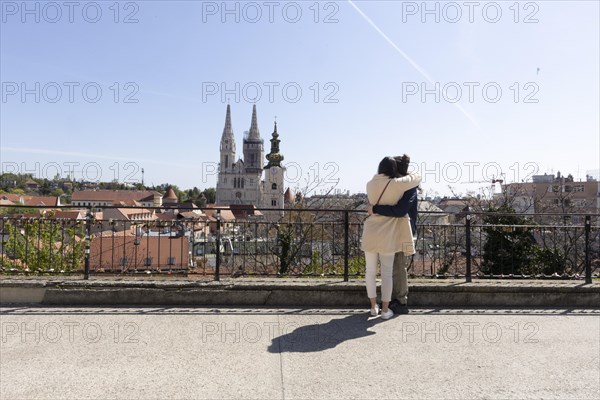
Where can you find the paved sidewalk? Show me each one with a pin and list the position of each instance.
(283, 353)
(305, 292)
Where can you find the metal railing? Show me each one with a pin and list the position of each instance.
(293, 242)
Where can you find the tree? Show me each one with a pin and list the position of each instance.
(211, 195)
(284, 239)
(58, 192)
(45, 188)
(509, 249)
(41, 245)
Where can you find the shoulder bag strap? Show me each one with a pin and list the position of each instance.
(387, 184)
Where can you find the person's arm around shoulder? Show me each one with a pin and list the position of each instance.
(409, 181)
(401, 209)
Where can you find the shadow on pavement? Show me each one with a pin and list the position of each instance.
(319, 337)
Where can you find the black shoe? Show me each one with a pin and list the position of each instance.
(398, 308)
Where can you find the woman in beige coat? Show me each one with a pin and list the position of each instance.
(384, 236)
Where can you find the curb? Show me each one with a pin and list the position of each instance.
(297, 293)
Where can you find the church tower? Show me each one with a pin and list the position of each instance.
(253, 156)
(273, 187)
(227, 174)
(227, 143)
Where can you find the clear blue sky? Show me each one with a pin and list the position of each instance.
(372, 59)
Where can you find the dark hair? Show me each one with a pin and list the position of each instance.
(388, 167)
(402, 163)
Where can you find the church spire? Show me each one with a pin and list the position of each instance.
(254, 134)
(227, 130)
(275, 157)
(227, 139)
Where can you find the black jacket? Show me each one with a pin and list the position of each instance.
(406, 205)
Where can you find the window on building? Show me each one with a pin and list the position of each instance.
(273, 203)
(579, 188)
(226, 161)
(568, 188)
(274, 186)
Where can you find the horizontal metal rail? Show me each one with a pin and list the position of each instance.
(292, 242)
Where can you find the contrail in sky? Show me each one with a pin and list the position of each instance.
(407, 58)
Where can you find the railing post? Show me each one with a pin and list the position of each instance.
(88, 221)
(218, 247)
(346, 233)
(588, 264)
(468, 247)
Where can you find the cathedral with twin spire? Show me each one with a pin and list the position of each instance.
(247, 180)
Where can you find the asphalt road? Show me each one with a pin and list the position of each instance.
(260, 353)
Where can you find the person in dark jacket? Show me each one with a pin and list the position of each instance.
(406, 205)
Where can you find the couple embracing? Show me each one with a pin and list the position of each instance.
(389, 232)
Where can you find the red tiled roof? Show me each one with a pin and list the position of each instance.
(191, 215)
(113, 195)
(15, 198)
(170, 194)
(128, 203)
(73, 214)
(130, 211)
(226, 215)
(41, 200)
(166, 216)
(242, 211)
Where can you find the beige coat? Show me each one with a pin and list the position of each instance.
(388, 234)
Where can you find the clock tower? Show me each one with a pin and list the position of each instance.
(273, 186)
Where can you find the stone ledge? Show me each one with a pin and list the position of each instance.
(308, 283)
(290, 292)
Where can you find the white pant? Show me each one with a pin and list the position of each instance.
(387, 266)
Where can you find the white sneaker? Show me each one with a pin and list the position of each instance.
(375, 311)
(388, 314)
